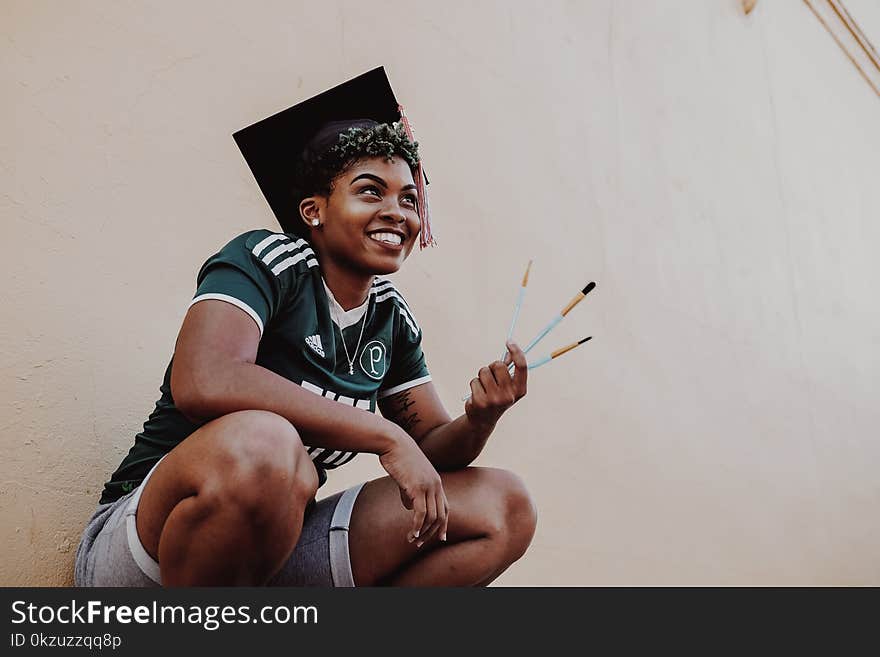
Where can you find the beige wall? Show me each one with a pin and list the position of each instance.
(716, 174)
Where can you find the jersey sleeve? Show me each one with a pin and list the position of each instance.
(407, 368)
(240, 274)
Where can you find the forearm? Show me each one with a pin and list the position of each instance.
(456, 444)
(322, 422)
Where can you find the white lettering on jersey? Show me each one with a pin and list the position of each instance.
(311, 387)
(326, 457)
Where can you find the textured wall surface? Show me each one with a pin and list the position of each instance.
(715, 173)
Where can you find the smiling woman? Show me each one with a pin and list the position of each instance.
(292, 342)
(369, 219)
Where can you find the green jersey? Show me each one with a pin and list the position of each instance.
(353, 357)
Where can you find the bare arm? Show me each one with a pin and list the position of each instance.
(454, 444)
(214, 373)
(449, 444)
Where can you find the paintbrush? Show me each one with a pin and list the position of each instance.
(519, 300)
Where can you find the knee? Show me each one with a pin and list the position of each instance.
(518, 514)
(262, 460)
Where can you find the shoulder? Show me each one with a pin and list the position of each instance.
(274, 252)
(267, 245)
(281, 252)
(387, 293)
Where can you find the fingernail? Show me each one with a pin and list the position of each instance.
(409, 539)
(443, 538)
(420, 544)
(417, 534)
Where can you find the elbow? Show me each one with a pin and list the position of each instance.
(452, 462)
(452, 466)
(193, 410)
(193, 393)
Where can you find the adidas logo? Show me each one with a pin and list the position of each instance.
(314, 341)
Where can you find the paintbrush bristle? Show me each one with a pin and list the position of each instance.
(525, 280)
(585, 339)
(589, 287)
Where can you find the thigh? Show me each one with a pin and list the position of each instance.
(213, 456)
(380, 522)
(103, 557)
(309, 563)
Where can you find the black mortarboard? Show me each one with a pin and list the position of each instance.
(273, 147)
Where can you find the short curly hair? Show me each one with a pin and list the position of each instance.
(322, 161)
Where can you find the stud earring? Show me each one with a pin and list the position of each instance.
(315, 222)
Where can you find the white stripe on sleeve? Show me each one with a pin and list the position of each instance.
(404, 386)
(287, 248)
(384, 287)
(404, 309)
(262, 244)
(290, 262)
(238, 303)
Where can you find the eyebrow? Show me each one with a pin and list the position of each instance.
(377, 179)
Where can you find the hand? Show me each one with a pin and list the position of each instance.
(421, 488)
(494, 391)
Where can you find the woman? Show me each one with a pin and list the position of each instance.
(291, 341)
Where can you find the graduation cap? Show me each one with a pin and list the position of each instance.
(274, 146)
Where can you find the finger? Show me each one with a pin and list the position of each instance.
(504, 395)
(418, 515)
(429, 521)
(432, 531)
(406, 500)
(488, 381)
(502, 377)
(478, 393)
(521, 371)
(445, 517)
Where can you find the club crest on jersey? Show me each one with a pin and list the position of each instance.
(314, 341)
(373, 360)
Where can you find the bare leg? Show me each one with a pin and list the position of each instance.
(210, 513)
(491, 523)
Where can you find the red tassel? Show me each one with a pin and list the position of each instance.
(426, 237)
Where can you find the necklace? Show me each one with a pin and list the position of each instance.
(342, 335)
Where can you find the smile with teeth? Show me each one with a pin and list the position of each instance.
(387, 238)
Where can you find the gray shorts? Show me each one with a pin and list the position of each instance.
(110, 552)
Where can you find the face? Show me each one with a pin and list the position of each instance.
(370, 221)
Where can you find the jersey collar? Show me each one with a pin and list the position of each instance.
(346, 317)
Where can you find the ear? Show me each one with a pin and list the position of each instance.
(310, 208)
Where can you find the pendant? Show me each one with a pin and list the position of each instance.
(351, 369)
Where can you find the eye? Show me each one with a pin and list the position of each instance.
(411, 199)
(372, 188)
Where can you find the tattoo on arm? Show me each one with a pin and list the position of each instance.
(400, 412)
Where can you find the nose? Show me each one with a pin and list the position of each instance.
(393, 212)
